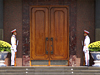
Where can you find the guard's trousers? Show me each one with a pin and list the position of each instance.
(12, 57)
(87, 58)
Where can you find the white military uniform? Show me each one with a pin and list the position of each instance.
(13, 49)
(86, 49)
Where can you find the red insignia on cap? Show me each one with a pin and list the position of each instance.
(85, 31)
(13, 31)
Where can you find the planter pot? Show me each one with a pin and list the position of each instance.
(96, 57)
(3, 56)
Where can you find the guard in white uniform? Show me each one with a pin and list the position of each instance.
(85, 48)
(13, 46)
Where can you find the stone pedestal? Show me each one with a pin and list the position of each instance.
(96, 57)
(3, 55)
(2, 63)
(96, 63)
(74, 61)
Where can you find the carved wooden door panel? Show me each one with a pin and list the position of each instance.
(39, 32)
(49, 38)
(59, 33)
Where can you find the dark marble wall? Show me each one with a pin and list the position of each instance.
(26, 23)
(17, 15)
(13, 19)
(85, 21)
(97, 20)
(1, 14)
(1, 19)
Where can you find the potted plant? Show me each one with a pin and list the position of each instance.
(4, 49)
(94, 49)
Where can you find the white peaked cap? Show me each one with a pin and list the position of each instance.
(86, 31)
(13, 30)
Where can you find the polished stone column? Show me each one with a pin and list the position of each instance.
(97, 20)
(1, 19)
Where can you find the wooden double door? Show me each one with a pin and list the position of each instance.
(49, 34)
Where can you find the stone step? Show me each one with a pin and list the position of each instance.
(49, 70)
(95, 68)
(49, 74)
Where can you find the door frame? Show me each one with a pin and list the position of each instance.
(49, 30)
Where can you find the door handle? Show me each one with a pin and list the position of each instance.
(46, 39)
(52, 45)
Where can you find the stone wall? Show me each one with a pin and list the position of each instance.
(97, 20)
(85, 21)
(1, 19)
(12, 20)
(17, 15)
(26, 23)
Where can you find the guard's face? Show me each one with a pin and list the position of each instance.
(85, 34)
(15, 33)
